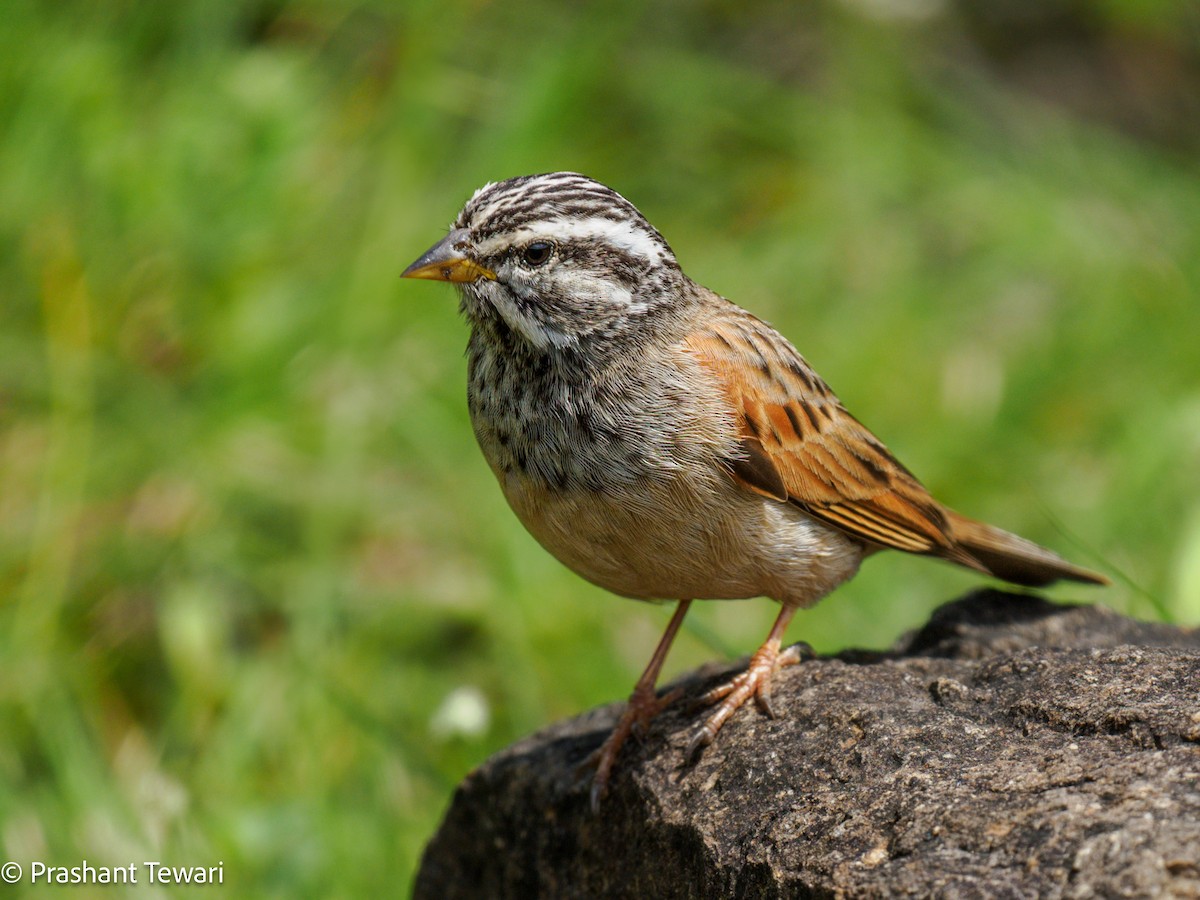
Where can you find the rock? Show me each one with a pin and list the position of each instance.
(1010, 748)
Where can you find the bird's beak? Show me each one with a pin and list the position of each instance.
(444, 261)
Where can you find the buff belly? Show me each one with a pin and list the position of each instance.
(706, 541)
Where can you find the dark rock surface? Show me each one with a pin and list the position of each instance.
(1010, 748)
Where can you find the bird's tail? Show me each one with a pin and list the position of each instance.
(1013, 558)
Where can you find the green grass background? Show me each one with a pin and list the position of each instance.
(248, 548)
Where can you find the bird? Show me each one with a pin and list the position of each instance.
(666, 444)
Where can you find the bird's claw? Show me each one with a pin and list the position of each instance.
(641, 709)
(754, 681)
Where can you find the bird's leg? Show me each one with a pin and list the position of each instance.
(642, 707)
(754, 682)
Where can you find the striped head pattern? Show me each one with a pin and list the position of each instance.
(558, 259)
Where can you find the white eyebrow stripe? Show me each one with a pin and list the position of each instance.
(615, 233)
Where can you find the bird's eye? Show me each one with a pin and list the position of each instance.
(537, 253)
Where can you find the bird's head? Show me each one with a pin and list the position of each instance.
(556, 258)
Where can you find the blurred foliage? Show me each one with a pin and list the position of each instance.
(260, 600)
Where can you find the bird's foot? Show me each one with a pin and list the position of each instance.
(641, 709)
(754, 681)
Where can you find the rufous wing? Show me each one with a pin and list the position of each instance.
(799, 444)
